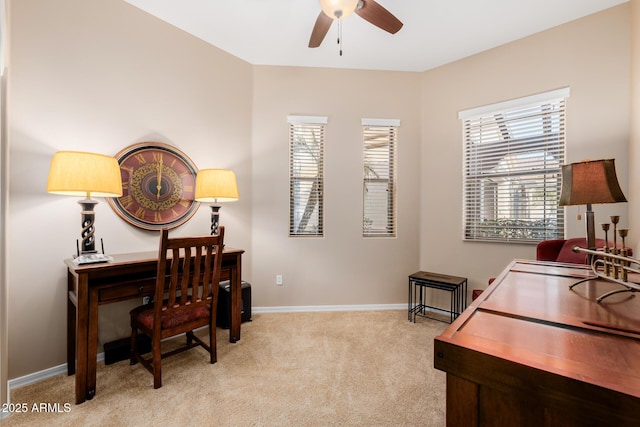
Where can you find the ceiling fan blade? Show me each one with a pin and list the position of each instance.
(379, 16)
(320, 29)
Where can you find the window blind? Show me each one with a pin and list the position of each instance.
(512, 172)
(379, 177)
(306, 175)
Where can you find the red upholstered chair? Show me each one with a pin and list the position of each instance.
(560, 250)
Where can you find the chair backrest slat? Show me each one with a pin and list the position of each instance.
(195, 281)
(193, 265)
(186, 276)
(206, 276)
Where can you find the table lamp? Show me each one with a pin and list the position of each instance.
(214, 186)
(74, 173)
(588, 183)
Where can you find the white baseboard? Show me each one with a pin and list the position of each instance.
(309, 308)
(62, 369)
(42, 375)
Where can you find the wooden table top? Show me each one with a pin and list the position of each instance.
(531, 317)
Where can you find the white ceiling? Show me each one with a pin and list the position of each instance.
(435, 32)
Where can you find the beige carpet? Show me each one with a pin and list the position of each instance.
(363, 368)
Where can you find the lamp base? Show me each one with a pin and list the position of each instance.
(88, 244)
(591, 233)
(215, 218)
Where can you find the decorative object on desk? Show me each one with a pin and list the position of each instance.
(588, 183)
(612, 263)
(75, 173)
(184, 300)
(215, 186)
(96, 258)
(158, 183)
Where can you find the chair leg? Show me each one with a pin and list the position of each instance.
(156, 363)
(134, 346)
(213, 344)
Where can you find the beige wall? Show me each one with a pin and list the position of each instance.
(4, 197)
(101, 75)
(591, 56)
(341, 268)
(634, 141)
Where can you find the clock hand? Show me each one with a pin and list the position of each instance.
(159, 178)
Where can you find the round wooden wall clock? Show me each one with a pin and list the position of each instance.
(158, 186)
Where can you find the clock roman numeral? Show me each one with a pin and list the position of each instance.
(157, 157)
(140, 213)
(126, 201)
(140, 158)
(157, 217)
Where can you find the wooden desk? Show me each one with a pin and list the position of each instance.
(531, 352)
(128, 276)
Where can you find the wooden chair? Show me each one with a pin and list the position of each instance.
(186, 298)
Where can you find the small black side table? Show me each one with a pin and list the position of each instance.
(420, 281)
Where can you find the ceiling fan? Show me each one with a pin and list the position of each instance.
(336, 10)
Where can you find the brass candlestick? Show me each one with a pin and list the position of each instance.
(605, 228)
(623, 252)
(623, 234)
(615, 219)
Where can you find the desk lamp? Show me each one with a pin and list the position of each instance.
(74, 173)
(587, 183)
(214, 186)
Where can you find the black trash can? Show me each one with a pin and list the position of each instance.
(224, 304)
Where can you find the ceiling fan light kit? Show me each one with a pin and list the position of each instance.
(338, 9)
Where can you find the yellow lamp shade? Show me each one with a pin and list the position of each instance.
(338, 9)
(216, 185)
(74, 173)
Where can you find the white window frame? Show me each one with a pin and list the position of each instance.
(306, 175)
(379, 182)
(512, 176)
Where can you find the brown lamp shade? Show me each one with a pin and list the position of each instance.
(590, 182)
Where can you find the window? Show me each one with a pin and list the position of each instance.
(379, 177)
(513, 154)
(306, 175)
